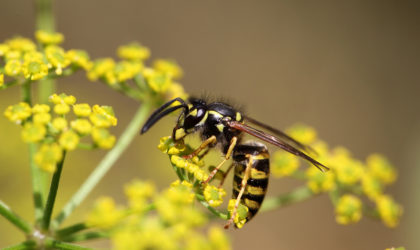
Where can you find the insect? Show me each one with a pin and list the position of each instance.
(219, 124)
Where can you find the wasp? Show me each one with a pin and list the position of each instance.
(219, 124)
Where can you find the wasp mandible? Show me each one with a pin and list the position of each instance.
(219, 124)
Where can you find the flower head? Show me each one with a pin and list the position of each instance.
(18, 113)
(389, 210)
(241, 213)
(33, 132)
(214, 196)
(302, 133)
(284, 163)
(168, 67)
(48, 38)
(56, 56)
(348, 209)
(48, 156)
(105, 213)
(133, 51)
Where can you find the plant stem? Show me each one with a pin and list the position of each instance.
(86, 236)
(54, 244)
(52, 194)
(45, 21)
(26, 92)
(295, 196)
(14, 218)
(37, 184)
(203, 201)
(22, 246)
(71, 230)
(106, 163)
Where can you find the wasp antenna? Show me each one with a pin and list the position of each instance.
(161, 112)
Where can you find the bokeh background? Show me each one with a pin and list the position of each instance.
(348, 68)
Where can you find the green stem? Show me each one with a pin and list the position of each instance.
(86, 236)
(52, 194)
(45, 21)
(26, 92)
(22, 246)
(295, 196)
(14, 218)
(54, 244)
(38, 179)
(71, 230)
(103, 167)
(203, 201)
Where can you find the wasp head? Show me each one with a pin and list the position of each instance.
(190, 121)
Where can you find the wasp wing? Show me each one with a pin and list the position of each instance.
(281, 134)
(275, 141)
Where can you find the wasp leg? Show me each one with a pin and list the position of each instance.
(205, 144)
(224, 175)
(227, 157)
(241, 192)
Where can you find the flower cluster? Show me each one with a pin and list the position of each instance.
(56, 130)
(24, 61)
(152, 220)
(348, 180)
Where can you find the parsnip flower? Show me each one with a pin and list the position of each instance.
(59, 123)
(105, 214)
(214, 196)
(138, 192)
(1, 79)
(381, 168)
(133, 51)
(56, 56)
(18, 113)
(284, 164)
(69, 140)
(389, 210)
(348, 209)
(168, 67)
(320, 181)
(13, 67)
(33, 132)
(241, 214)
(82, 109)
(41, 108)
(48, 156)
(21, 44)
(159, 82)
(34, 69)
(82, 126)
(302, 133)
(100, 68)
(47, 38)
(79, 58)
(103, 138)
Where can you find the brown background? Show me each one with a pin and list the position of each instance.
(348, 68)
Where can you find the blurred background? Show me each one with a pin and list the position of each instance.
(350, 69)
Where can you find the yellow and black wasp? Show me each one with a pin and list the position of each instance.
(220, 124)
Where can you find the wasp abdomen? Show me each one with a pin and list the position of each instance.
(254, 155)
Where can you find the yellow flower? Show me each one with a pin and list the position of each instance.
(214, 196)
(100, 68)
(381, 168)
(69, 140)
(34, 69)
(1, 79)
(218, 239)
(103, 116)
(48, 156)
(389, 210)
(13, 67)
(138, 192)
(33, 132)
(126, 70)
(18, 113)
(46, 37)
(42, 118)
(348, 170)
(103, 138)
(241, 214)
(302, 133)
(168, 146)
(284, 164)
(159, 82)
(320, 181)
(79, 58)
(176, 90)
(59, 123)
(180, 192)
(82, 109)
(56, 56)
(82, 126)
(61, 108)
(133, 51)
(105, 214)
(348, 209)
(4, 48)
(21, 44)
(41, 108)
(371, 186)
(168, 67)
